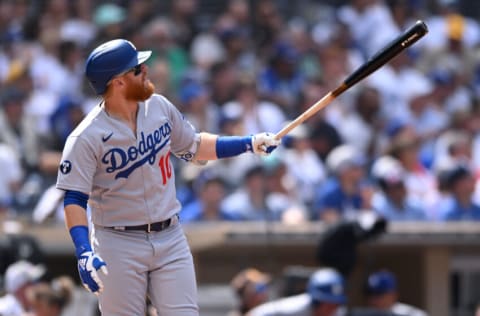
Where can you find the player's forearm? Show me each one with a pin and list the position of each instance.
(214, 147)
(76, 221)
(206, 150)
(75, 215)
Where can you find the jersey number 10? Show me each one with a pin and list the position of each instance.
(165, 168)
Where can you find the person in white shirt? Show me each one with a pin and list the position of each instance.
(19, 276)
(324, 296)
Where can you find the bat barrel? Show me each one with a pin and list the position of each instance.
(405, 40)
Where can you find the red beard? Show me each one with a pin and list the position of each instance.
(139, 91)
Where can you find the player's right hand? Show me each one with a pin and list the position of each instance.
(264, 143)
(88, 265)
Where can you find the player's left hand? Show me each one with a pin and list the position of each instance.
(264, 143)
(88, 265)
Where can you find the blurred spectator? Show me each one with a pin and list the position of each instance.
(346, 192)
(238, 52)
(446, 22)
(453, 147)
(459, 182)
(206, 50)
(257, 114)
(401, 104)
(324, 139)
(249, 201)
(63, 120)
(109, 19)
(198, 108)
(360, 126)
(325, 295)
(210, 190)
(11, 179)
(223, 78)
(140, 12)
(50, 299)
(420, 181)
(381, 293)
(392, 200)
(370, 23)
(79, 27)
(236, 15)
(304, 165)
(182, 15)
(19, 278)
(251, 288)
(281, 81)
(158, 33)
(267, 25)
(283, 193)
(17, 131)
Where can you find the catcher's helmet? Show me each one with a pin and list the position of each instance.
(110, 59)
(327, 286)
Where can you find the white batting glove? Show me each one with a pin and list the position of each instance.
(88, 265)
(264, 143)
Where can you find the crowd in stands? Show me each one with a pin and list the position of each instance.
(404, 142)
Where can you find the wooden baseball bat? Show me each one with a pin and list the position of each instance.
(400, 43)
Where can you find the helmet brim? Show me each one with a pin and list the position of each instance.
(142, 56)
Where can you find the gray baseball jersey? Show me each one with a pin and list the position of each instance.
(129, 177)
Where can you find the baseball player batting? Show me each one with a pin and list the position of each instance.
(118, 160)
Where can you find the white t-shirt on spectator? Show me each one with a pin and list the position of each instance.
(11, 172)
(10, 306)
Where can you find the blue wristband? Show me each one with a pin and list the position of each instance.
(80, 239)
(230, 146)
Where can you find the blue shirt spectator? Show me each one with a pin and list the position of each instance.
(281, 81)
(347, 191)
(194, 212)
(409, 210)
(454, 211)
(392, 200)
(209, 191)
(459, 182)
(331, 196)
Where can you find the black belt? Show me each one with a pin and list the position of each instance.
(151, 227)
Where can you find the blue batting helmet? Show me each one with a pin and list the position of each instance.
(110, 59)
(327, 286)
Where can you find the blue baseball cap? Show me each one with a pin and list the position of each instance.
(381, 282)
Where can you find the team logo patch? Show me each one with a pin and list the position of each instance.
(188, 156)
(65, 167)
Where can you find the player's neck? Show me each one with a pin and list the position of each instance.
(122, 110)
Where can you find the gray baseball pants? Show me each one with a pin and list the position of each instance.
(157, 264)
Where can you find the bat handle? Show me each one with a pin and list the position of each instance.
(305, 115)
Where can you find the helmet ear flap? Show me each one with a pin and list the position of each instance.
(110, 59)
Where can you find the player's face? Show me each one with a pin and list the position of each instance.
(139, 87)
